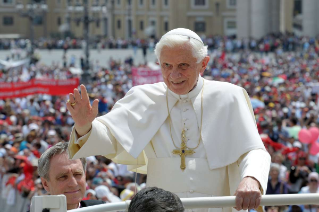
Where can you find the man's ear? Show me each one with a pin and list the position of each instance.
(204, 64)
(45, 184)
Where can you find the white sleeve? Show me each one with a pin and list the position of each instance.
(99, 141)
(256, 164)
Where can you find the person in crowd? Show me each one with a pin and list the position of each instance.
(173, 123)
(312, 187)
(278, 158)
(60, 175)
(90, 194)
(156, 200)
(39, 190)
(103, 193)
(275, 184)
(299, 173)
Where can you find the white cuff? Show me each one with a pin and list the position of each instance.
(99, 142)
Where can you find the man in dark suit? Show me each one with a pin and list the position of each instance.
(60, 175)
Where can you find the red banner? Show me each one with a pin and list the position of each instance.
(143, 75)
(38, 86)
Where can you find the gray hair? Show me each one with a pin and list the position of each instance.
(275, 166)
(44, 161)
(313, 175)
(199, 50)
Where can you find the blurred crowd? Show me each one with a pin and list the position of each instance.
(32, 124)
(269, 43)
(279, 72)
(283, 87)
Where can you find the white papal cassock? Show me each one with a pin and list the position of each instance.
(230, 149)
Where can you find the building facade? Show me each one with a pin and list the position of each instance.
(119, 18)
(256, 18)
(305, 18)
(142, 18)
(147, 18)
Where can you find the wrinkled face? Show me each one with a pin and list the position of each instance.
(277, 159)
(301, 161)
(179, 68)
(66, 177)
(274, 173)
(313, 182)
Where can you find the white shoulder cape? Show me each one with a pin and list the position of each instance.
(228, 131)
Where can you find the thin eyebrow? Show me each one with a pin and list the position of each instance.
(66, 173)
(78, 171)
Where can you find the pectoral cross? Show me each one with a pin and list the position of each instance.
(182, 152)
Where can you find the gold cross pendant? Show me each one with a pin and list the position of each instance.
(182, 152)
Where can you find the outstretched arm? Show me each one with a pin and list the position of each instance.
(89, 136)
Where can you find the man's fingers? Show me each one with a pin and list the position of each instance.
(246, 203)
(239, 203)
(77, 95)
(255, 199)
(68, 103)
(84, 93)
(70, 108)
(71, 97)
(257, 202)
(95, 105)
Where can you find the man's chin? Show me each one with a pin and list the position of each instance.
(73, 200)
(74, 197)
(179, 90)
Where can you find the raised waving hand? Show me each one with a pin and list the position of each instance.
(83, 113)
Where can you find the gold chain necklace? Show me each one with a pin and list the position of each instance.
(183, 132)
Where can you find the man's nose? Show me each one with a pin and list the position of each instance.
(175, 73)
(73, 181)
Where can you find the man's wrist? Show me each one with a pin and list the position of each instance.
(259, 186)
(81, 132)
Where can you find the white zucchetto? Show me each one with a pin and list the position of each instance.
(183, 32)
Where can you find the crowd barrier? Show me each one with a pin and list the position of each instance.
(218, 202)
(59, 202)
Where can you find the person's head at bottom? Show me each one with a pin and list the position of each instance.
(156, 200)
(60, 175)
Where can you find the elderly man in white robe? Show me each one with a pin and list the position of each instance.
(193, 137)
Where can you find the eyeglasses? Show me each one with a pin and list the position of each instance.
(313, 180)
(302, 158)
